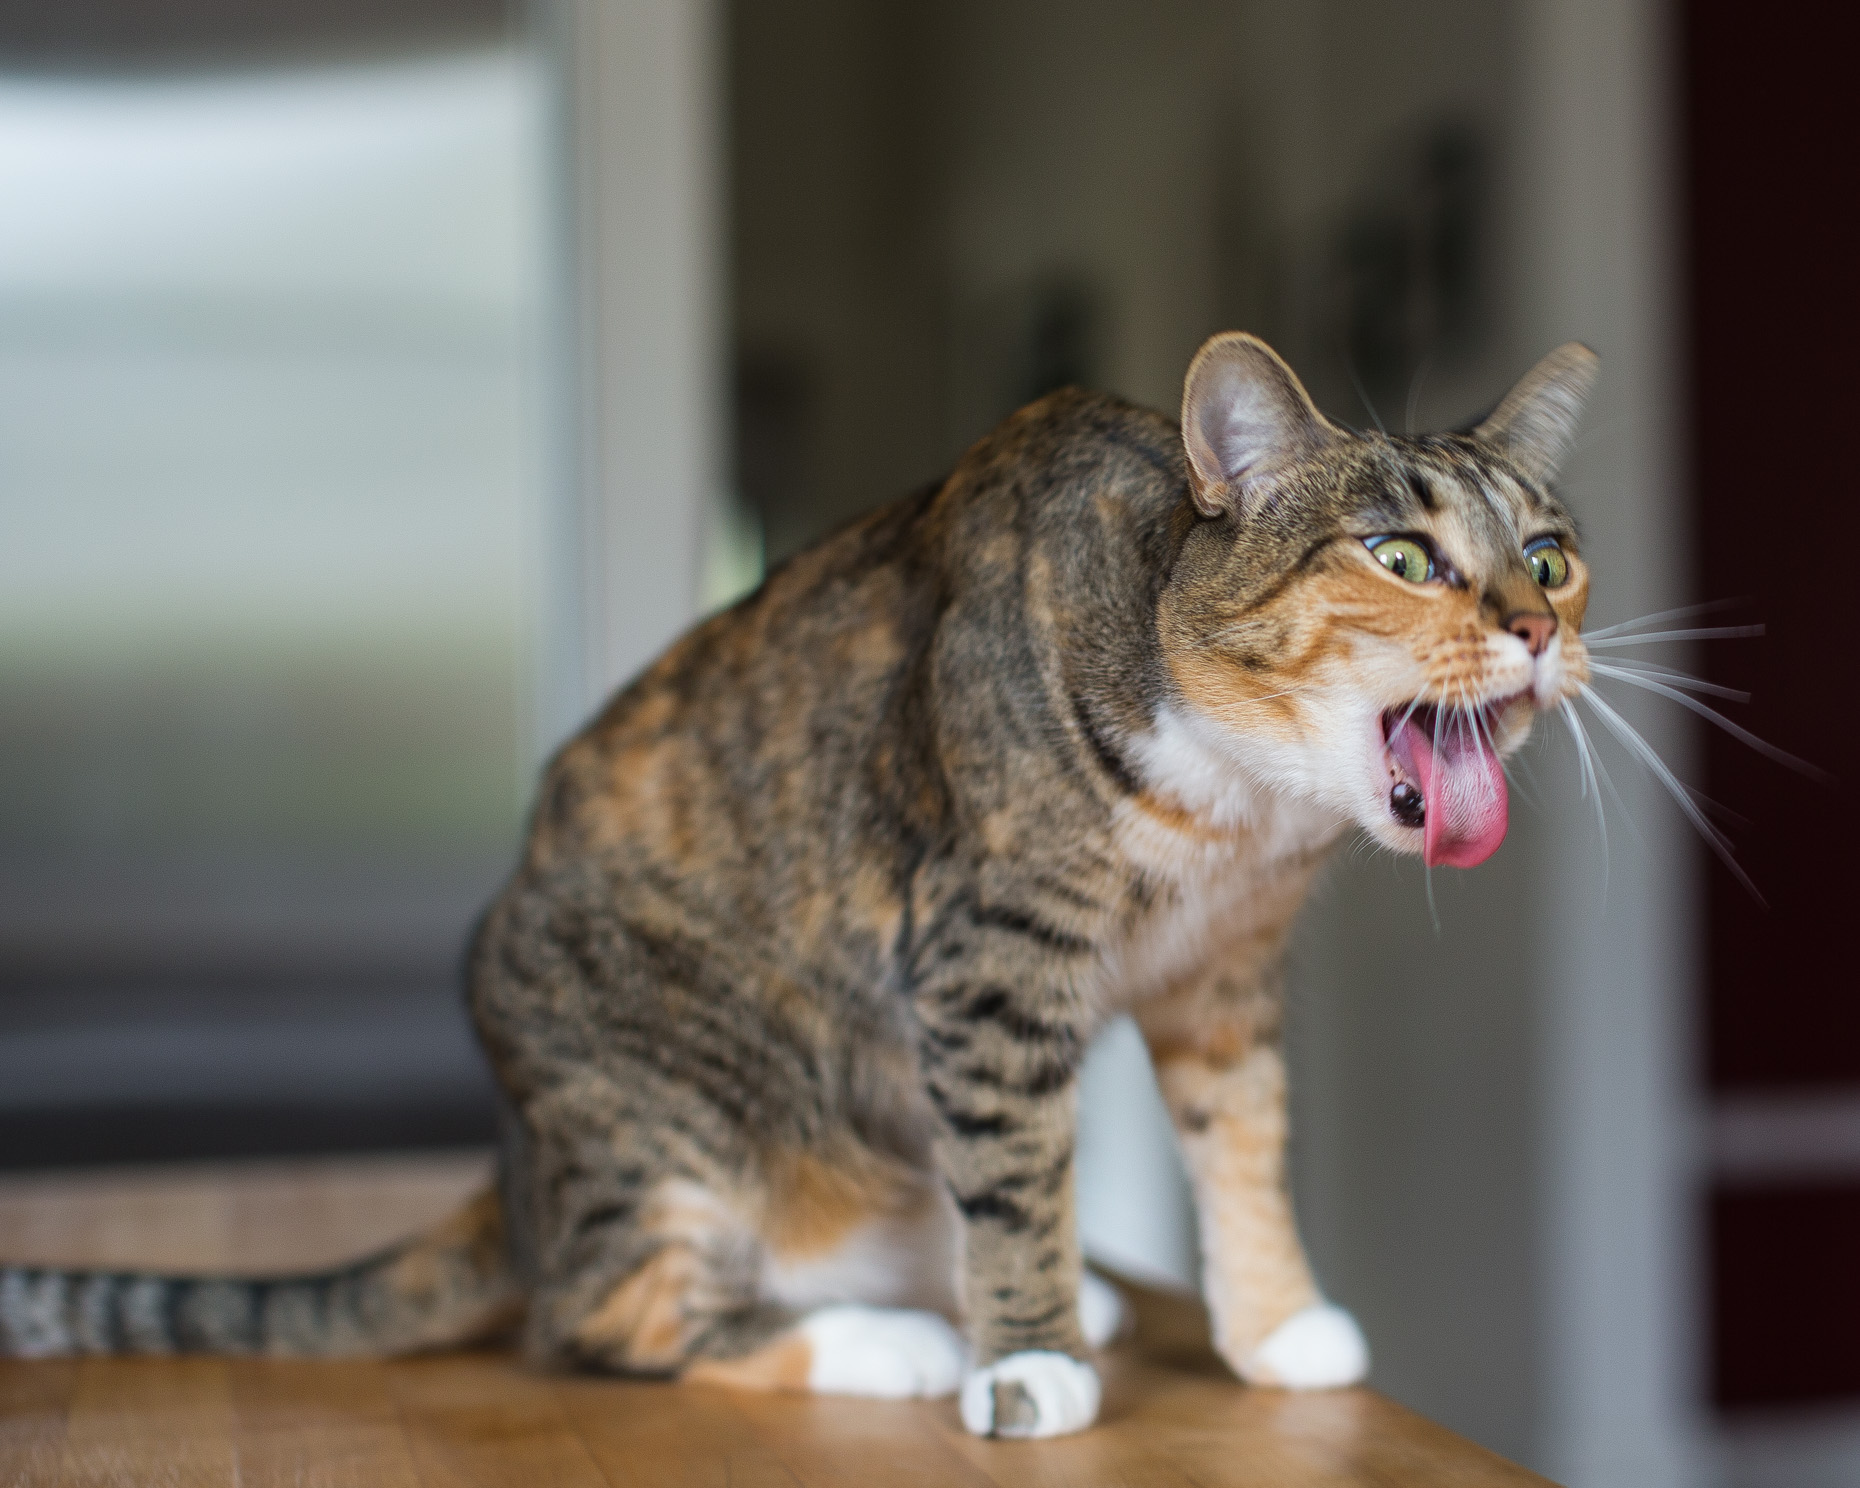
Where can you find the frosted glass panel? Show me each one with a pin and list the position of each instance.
(269, 507)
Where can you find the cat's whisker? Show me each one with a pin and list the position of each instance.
(1476, 716)
(1705, 633)
(1623, 667)
(1585, 774)
(1736, 731)
(1586, 761)
(1608, 784)
(1660, 617)
(1717, 809)
(1264, 697)
(1479, 726)
(1525, 781)
(1514, 767)
(1682, 797)
(1433, 910)
(1466, 717)
(1487, 727)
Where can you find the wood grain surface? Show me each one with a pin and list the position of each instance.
(1173, 1416)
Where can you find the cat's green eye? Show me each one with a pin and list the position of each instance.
(1548, 563)
(1403, 557)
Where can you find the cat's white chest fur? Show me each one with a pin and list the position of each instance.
(1229, 869)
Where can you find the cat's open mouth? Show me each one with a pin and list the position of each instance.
(1447, 779)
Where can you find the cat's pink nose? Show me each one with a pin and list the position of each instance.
(1533, 629)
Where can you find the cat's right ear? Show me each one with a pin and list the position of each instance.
(1535, 427)
(1245, 418)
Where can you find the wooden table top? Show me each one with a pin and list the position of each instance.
(1173, 1416)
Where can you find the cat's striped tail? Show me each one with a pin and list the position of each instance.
(451, 1285)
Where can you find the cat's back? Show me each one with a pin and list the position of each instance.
(808, 717)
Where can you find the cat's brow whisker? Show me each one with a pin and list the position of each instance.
(1363, 393)
(1660, 617)
(1706, 633)
(1622, 666)
(1414, 390)
(1736, 731)
(1627, 734)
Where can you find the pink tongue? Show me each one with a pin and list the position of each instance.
(1463, 786)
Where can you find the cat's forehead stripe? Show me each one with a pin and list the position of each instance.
(1478, 482)
(1478, 510)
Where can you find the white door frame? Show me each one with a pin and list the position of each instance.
(639, 414)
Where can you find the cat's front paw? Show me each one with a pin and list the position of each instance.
(1319, 1348)
(893, 1353)
(1036, 1393)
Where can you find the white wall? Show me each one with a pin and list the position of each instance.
(643, 419)
(1618, 966)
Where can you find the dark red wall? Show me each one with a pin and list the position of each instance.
(1774, 232)
(1775, 164)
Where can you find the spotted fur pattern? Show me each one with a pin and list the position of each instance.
(816, 919)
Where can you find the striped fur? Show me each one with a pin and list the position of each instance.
(449, 1286)
(817, 918)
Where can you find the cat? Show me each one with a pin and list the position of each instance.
(815, 921)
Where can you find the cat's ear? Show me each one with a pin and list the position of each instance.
(1535, 427)
(1245, 418)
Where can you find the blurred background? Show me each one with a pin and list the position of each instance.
(381, 383)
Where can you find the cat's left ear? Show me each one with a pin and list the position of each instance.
(1535, 427)
(1245, 418)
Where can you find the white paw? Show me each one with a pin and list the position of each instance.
(1035, 1393)
(1317, 1349)
(889, 1352)
(1101, 1310)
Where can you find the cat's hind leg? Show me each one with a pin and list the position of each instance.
(699, 1307)
(862, 1253)
(848, 1348)
(672, 1161)
(684, 1277)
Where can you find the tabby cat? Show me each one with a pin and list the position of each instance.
(817, 918)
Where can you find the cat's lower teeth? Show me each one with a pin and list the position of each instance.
(1407, 805)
